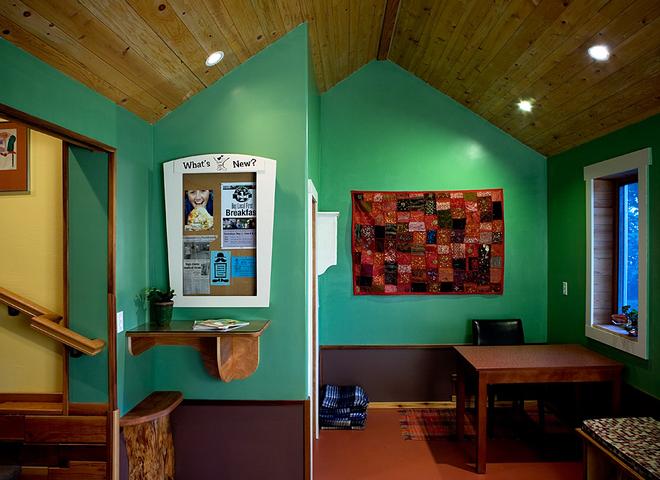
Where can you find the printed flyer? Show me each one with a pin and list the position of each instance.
(239, 215)
(243, 267)
(196, 264)
(220, 268)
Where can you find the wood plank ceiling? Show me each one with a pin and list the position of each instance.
(148, 55)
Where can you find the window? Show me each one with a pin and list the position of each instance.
(627, 245)
(617, 251)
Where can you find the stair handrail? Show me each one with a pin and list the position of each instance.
(49, 323)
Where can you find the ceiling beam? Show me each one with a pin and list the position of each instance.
(387, 30)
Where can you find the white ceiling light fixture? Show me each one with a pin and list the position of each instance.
(215, 58)
(599, 52)
(525, 105)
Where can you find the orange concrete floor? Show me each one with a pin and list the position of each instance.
(379, 452)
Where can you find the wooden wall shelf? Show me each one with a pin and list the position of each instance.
(228, 356)
(49, 324)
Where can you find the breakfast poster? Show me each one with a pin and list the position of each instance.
(239, 215)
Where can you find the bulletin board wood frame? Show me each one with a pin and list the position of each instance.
(216, 169)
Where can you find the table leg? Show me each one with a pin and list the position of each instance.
(460, 401)
(616, 394)
(482, 398)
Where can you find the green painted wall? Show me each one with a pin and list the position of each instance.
(567, 246)
(88, 269)
(313, 126)
(259, 108)
(36, 88)
(384, 129)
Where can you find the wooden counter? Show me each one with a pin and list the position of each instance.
(227, 355)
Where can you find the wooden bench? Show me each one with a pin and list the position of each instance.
(148, 436)
(621, 448)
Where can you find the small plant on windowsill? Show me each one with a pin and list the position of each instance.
(627, 319)
(160, 306)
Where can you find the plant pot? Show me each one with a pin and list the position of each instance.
(160, 313)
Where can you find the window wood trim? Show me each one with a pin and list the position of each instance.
(617, 169)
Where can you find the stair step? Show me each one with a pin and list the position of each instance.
(31, 408)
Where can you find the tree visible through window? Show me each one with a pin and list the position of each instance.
(628, 247)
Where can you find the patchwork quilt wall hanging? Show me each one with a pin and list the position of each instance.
(428, 243)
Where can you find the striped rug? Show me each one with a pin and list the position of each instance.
(430, 423)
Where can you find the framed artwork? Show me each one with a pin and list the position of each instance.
(428, 243)
(13, 157)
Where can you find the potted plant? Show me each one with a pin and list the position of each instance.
(627, 320)
(632, 315)
(160, 306)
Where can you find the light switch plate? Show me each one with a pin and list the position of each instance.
(564, 288)
(120, 322)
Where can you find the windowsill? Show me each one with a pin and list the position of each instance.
(620, 331)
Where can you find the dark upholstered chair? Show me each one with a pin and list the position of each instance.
(502, 332)
(497, 332)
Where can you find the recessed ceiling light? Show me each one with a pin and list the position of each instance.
(525, 105)
(599, 52)
(214, 58)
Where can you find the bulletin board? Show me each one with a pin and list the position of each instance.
(219, 210)
(230, 271)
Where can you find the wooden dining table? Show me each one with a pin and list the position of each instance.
(516, 364)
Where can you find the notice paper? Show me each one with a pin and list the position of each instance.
(239, 215)
(196, 265)
(221, 268)
(243, 266)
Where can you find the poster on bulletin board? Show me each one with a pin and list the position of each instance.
(220, 213)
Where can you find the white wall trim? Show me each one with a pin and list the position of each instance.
(312, 195)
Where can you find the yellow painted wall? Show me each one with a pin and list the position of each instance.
(31, 263)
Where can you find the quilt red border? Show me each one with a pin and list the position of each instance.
(428, 242)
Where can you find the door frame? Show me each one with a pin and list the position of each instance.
(312, 322)
(70, 137)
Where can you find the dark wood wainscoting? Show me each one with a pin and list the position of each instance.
(392, 373)
(239, 440)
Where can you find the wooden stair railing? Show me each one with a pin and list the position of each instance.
(48, 323)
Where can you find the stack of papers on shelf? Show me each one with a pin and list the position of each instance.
(220, 324)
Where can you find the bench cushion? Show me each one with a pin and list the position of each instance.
(636, 441)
